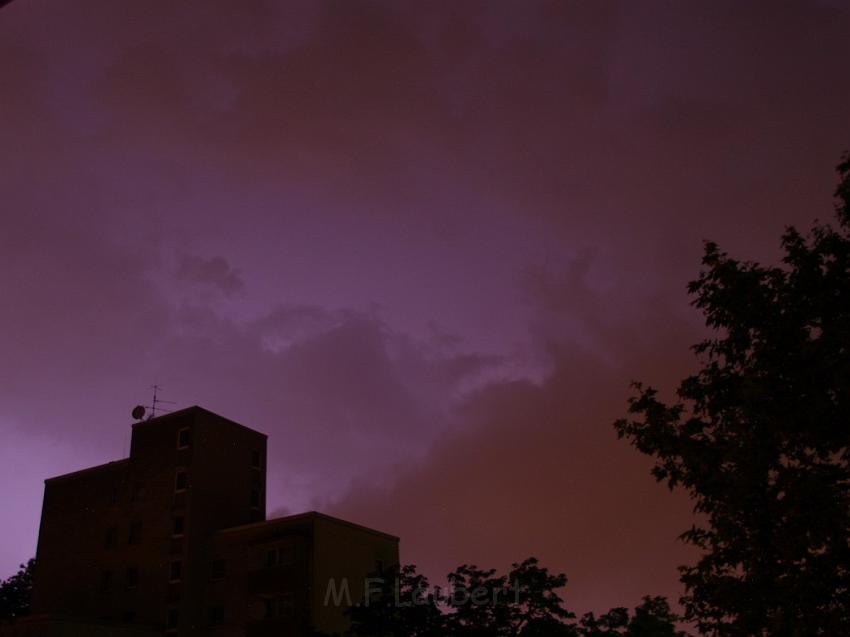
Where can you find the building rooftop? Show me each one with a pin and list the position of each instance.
(290, 520)
(194, 409)
(180, 413)
(89, 470)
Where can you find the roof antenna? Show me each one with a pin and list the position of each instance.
(157, 401)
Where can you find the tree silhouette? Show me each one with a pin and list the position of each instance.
(613, 623)
(536, 609)
(653, 618)
(403, 605)
(479, 601)
(760, 437)
(482, 603)
(523, 602)
(15, 593)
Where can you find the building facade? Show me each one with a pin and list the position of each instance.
(174, 540)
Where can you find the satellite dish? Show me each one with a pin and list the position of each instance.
(138, 412)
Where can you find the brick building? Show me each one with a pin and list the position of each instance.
(174, 540)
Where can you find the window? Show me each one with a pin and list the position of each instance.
(280, 556)
(175, 571)
(132, 578)
(217, 570)
(255, 459)
(217, 615)
(172, 618)
(177, 526)
(255, 498)
(138, 492)
(379, 567)
(135, 533)
(181, 481)
(111, 537)
(105, 581)
(285, 607)
(280, 607)
(184, 438)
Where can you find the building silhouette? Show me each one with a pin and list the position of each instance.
(174, 540)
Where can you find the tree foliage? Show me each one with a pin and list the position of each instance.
(523, 602)
(404, 605)
(15, 593)
(760, 437)
(482, 603)
(653, 618)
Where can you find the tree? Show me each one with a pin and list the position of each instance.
(404, 605)
(614, 623)
(760, 437)
(15, 593)
(536, 609)
(478, 599)
(653, 618)
(523, 603)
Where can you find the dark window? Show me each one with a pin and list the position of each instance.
(172, 619)
(286, 607)
(255, 498)
(282, 555)
(178, 526)
(175, 571)
(105, 581)
(280, 607)
(286, 555)
(132, 577)
(184, 438)
(217, 615)
(128, 616)
(181, 481)
(135, 533)
(138, 492)
(217, 570)
(111, 537)
(255, 459)
(379, 567)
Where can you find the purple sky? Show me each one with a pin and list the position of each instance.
(424, 246)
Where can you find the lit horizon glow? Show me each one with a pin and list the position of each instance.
(424, 248)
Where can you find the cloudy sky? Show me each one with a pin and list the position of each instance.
(424, 246)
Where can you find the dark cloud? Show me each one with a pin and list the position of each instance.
(214, 271)
(535, 468)
(424, 246)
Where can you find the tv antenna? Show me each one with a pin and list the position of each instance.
(157, 401)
